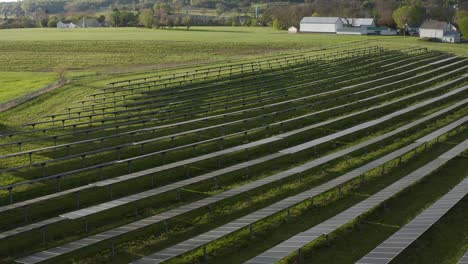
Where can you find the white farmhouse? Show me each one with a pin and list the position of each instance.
(60, 24)
(321, 24)
(438, 30)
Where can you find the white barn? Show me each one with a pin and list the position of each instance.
(336, 25)
(442, 31)
(60, 24)
(320, 24)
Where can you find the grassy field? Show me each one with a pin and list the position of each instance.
(17, 84)
(111, 48)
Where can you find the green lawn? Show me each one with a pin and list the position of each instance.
(112, 48)
(17, 84)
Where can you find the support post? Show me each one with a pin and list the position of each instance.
(26, 214)
(179, 195)
(110, 191)
(10, 194)
(113, 248)
(43, 233)
(77, 200)
(299, 256)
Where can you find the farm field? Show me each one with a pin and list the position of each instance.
(309, 149)
(109, 48)
(17, 84)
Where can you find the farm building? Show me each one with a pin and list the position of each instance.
(321, 24)
(355, 26)
(60, 24)
(292, 30)
(338, 25)
(440, 31)
(358, 22)
(384, 31)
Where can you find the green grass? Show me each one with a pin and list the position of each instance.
(42, 49)
(17, 84)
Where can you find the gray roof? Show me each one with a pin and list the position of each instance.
(433, 24)
(357, 22)
(320, 20)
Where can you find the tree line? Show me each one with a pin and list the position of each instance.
(281, 15)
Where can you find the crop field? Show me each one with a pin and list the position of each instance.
(353, 155)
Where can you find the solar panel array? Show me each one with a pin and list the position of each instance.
(300, 240)
(166, 188)
(403, 238)
(208, 125)
(210, 200)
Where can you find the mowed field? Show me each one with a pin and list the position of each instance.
(16, 84)
(247, 146)
(43, 49)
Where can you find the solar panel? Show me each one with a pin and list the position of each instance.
(399, 241)
(277, 207)
(162, 189)
(298, 241)
(464, 259)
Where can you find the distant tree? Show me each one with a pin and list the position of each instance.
(383, 12)
(164, 20)
(441, 10)
(417, 12)
(41, 17)
(178, 7)
(162, 7)
(113, 18)
(247, 22)
(254, 22)
(101, 19)
(401, 16)
(178, 21)
(53, 20)
(276, 24)
(220, 8)
(188, 22)
(462, 21)
(146, 18)
(234, 21)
